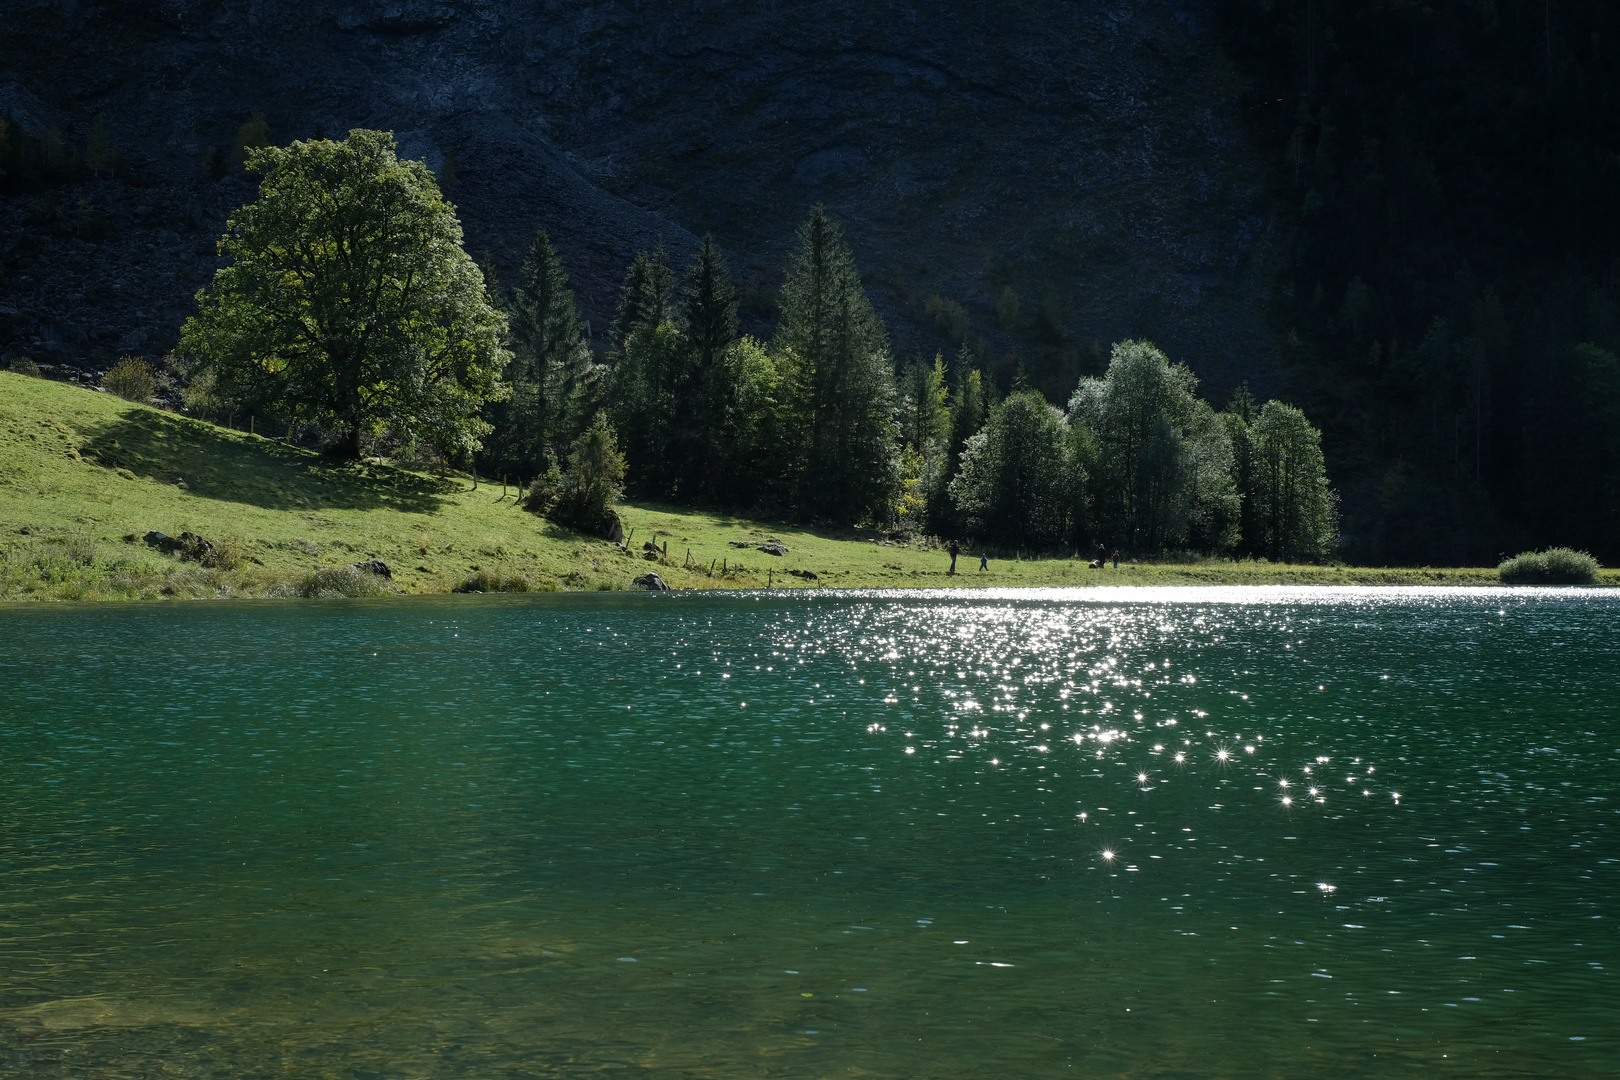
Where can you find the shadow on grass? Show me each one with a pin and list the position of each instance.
(216, 463)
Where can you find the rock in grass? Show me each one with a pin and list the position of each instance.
(374, 566)
(774, 548)
(652, 583)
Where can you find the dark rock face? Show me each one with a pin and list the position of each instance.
(1088, 155)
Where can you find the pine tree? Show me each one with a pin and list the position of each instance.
(648, 353)
(925, 414)
(844, 392)
(548, 409)
(708, 403)
(644, 301)
(967, 415)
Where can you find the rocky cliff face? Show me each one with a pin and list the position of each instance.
(1089, 155)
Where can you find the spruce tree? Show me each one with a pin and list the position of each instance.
(546, 413)
(707, 403)
(644, 301)
(967, 415)
(844, 382)
(648, 354)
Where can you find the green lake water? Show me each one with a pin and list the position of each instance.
(828, 835)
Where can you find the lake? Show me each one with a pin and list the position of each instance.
(1149, 832)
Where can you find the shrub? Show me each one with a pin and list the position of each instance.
(24, 365)
(331, 582)
(225, 553)
(131, 379)
(1555, 566)
(592, 484)
(485, 581)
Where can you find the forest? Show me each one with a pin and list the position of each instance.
(350, 311)
(1449, 302)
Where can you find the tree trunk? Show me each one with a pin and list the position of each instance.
(354, 442)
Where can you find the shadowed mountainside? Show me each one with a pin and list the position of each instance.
(1088, 157)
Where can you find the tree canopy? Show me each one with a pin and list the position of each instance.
(348, 299)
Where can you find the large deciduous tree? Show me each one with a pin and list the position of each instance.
(349, 300)
(1295, 512)
(1164, 462)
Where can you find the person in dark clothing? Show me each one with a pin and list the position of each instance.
(1116, 558)
(984, 562)
(955, 551)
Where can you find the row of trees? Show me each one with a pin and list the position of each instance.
(349, 302)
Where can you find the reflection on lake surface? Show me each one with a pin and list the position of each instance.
(1178, 832)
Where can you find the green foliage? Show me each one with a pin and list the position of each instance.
(592, 483)
(1554, 566)
(708, 388)
(349, 300)
(336, 582)
(1451, 244)
(24, 365)
(1294, 512)
(131, 379)
(1164, 461)
(253, 134)
(968, 409)
(842, 392)
(552, 373)
(644, 301)
(925, 414)
(1021, 482)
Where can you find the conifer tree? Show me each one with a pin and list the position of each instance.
(967, 414)
(644, 301)
(547, 410)
(844, 382)
(707, 404)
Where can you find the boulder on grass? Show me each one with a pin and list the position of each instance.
(774, 548)
(652, 583)
(374, 566)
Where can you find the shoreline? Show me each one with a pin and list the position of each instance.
(85, 477)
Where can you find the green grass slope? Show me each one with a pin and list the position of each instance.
(84, 476)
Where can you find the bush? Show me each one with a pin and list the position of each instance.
(331, 582)
(24, 365)
(131, 379)
(1555, 566)
(592, 484)
(486, 582)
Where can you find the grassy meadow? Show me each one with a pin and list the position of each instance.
(84, 476)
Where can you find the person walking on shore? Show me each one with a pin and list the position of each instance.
(984, 562)
(1116, 558)
(956, 550)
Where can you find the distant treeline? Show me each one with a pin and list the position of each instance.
(349, 306)
(1450, 303)
(818, 423)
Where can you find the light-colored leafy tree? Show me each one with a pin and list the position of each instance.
(1161, 454)
(1296, 511)
(1016, 485)
(349, 301)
